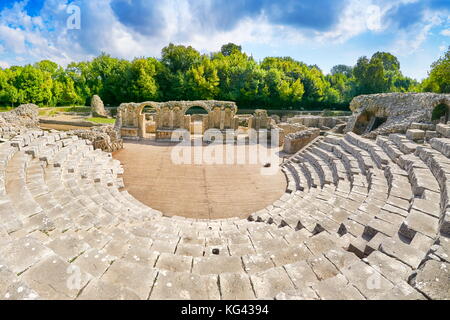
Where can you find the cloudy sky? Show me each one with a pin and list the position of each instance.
(322, 32)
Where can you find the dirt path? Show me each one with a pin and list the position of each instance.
(196, 191)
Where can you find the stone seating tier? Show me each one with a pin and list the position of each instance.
(354, 209)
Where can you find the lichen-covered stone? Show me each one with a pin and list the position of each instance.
(24, 116)
(104, 137)
(398, 110)
(97, 107)
(296, 141)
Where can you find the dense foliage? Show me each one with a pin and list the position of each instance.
(439, 76)
(182, 73)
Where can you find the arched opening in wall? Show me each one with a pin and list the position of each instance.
(149, 113)
(149, 110)
(197, 118)
(377, 122)
(368, 122)
(440, 113)
(196, 110)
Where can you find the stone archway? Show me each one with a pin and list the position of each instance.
(368, 121)
(148, 114)
(132, 120)
(196, 122)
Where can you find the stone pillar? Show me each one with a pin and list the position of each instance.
(141, 125)
(228, 119)
(222, 120)
(205, 123)
(251, 122)
(171, 116)
(187, 122)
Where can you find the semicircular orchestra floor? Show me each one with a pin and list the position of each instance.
(202, 191)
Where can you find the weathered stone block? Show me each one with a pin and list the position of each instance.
(433, 280)
(443, 129)
(415, 134)
(296, 141)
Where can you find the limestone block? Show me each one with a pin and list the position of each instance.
(415, 134)
(21, 254)
(236, 286)
(443, 129)
(12, 288)
(102, 290)
(52, 278)
(269, 283)
(367, 280)
(391, 268)
(337, 288)
(216, 264)
(433, 280)
(403, 252)
(185, 286)
(132, 276)
(419, 222)
(174, 263)
(430, 135)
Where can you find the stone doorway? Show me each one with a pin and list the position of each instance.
(198, 119)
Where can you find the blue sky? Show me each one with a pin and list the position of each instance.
(322, 32)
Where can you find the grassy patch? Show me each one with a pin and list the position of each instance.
(102, 120)
(5, 108)
(335, 113)
(50, 111)
(80, 109)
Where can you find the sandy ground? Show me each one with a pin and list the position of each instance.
(196, 191)
(61, 127)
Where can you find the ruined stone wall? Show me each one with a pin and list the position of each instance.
(171, 115)
(25, 115)
(105, 137)
(288, 128)
(399, 110)
(18, 120)
(318, 121)
(260, 120)
(296, 141)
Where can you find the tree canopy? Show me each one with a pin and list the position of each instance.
(183, 73)
(439, 76)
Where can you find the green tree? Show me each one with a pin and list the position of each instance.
(202, 81)
(47, 66)
(230, 48)
(370, 76)
(390, 62)
(183, 73)
(179, 58)
(439, 76)
(33, 85)
(9, 94)
(144, 85)
(342, 69)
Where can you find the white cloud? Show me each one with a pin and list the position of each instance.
(4, 64)
(360, 16)
(409, 41)
(46, 37)
(446, 32)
